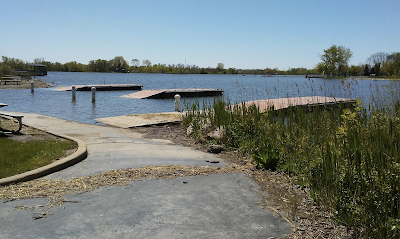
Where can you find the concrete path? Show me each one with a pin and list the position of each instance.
(213, 206)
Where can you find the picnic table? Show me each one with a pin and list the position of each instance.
(16, 118)
(11, 79)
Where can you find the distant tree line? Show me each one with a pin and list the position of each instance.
(334, 62)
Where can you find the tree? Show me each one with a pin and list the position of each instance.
(38, 60)
(392, 65)
(366, 70)
(335, 60)
(14, 63)
(99, 65)
(220, 66)
(356, 70)
(119, 64)
(135, 63)
(379, 57)
(146, 63)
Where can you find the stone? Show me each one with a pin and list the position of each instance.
(217, 133)
(215, 149)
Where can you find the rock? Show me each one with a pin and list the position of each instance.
(212, 161)
(215, 149)
(217, 133)
(189, 130)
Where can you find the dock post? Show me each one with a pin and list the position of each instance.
(73, 92)
(177, 102)
(93, 94)
(32, 86)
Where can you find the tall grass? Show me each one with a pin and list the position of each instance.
(348, 157)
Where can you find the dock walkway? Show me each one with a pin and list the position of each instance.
(283, 103)
(170, 93)
(139, 120)
(109, 87)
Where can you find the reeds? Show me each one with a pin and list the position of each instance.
(348, 157)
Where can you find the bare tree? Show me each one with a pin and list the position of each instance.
(135, 62)
(146, 63)
(379, 57)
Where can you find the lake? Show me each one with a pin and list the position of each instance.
(238, 88)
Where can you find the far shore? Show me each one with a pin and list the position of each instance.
(371, 78)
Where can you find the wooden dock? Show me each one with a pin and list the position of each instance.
(140, 120)
(283, 103)
(109, 87)
(170, 93)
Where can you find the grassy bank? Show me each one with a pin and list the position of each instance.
(348, 157)
(18, 157)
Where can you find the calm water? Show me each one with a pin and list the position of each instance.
(237, 88)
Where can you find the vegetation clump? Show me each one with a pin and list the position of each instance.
(349, 158)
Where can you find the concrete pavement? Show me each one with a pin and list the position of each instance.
(213, 206)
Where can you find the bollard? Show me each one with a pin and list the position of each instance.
(73, 92)
(93, 94)
(32, 86)
(177, 102)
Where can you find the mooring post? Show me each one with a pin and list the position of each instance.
(73, 92)
(177, 102)
(32, 86)
(93, 94)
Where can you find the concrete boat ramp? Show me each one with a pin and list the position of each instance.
(109, 87)
(170, 93)
(140, 120)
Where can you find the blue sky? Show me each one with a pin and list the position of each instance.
(241, 34)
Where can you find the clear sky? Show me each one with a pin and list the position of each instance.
(241, 34)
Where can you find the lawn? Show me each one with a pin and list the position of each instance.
(18, 157)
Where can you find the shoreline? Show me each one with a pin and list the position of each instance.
(26, 84)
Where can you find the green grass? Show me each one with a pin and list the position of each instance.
(18, 157)
(348, 157)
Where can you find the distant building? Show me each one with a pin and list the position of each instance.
(37, 69)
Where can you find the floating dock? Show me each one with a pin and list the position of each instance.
(110, 87)
(283, 103)
(170, 93)
(140, 120)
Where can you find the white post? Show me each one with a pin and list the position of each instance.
(93, 94)
(73, 92)
(32, 86)
(177, 102)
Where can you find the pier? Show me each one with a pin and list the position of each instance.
(109, 87)
(284, 103)
(170, 93)
(140, 120)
